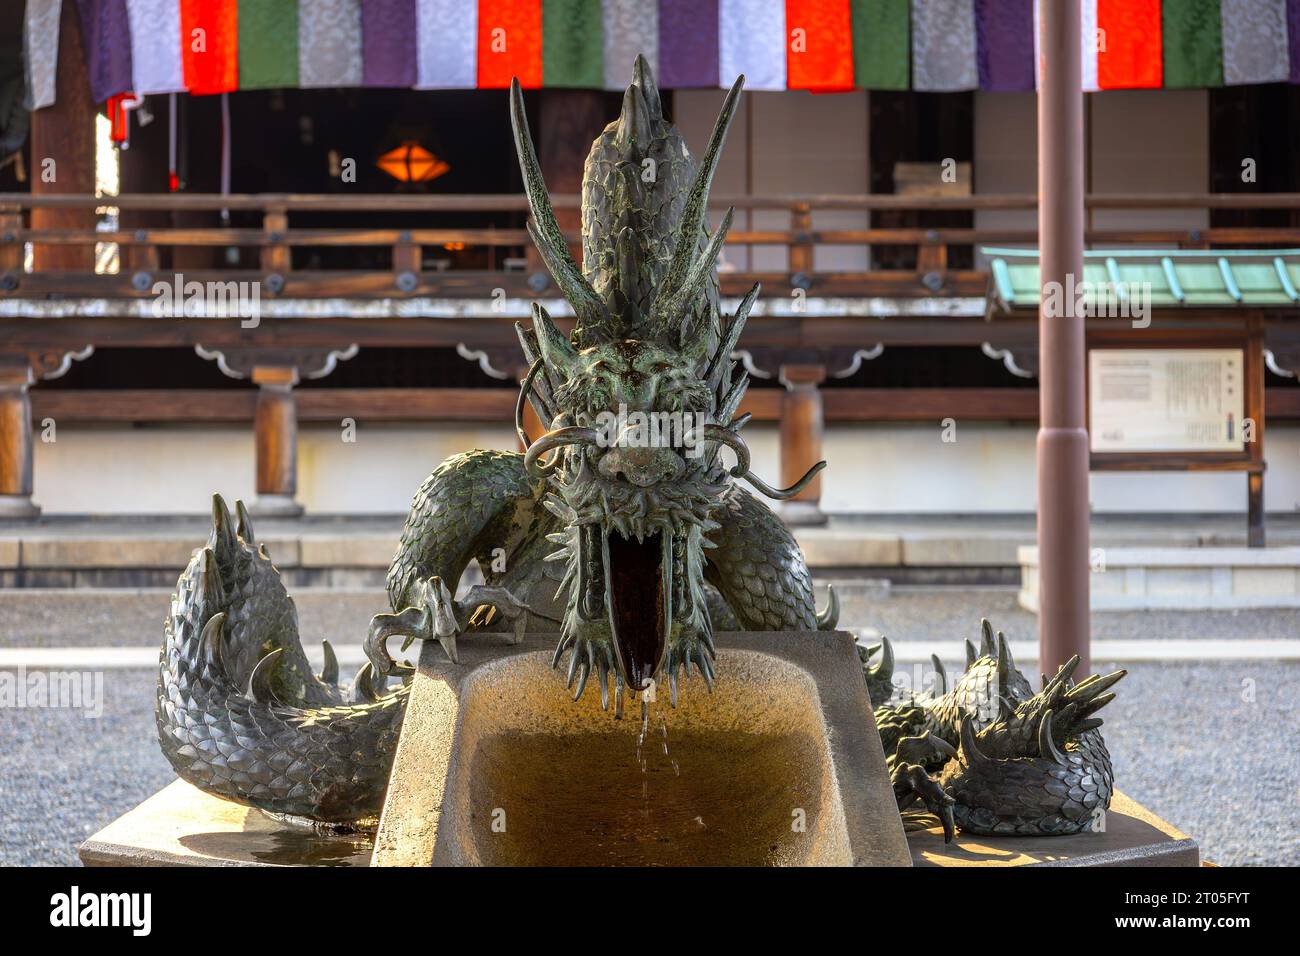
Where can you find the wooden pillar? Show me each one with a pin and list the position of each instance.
(276, 427)
(1255, 374)
(16, 441)
(1063, 551)
(65, 134)
(801, 440)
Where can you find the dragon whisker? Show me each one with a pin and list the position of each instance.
(555, 439)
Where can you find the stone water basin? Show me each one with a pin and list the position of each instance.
(781, 765)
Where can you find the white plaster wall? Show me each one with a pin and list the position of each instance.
(173, 470)
(991, 468)
(873, 469)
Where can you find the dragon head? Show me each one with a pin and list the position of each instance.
(639, 400)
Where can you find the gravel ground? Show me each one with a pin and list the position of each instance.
(1185, 743)
(939, 613)
(109, 618)
(125, 618)
(63, 775)
(1209, 746)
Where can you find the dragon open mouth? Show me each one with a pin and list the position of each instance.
(639, 580)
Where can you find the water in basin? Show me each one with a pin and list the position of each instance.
(739, 777)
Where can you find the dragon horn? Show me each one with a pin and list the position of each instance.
(1005, 665)
(986, 638)
(330, 671)
(830, 615)
(544, 229)
(644, 78)
(970, 751)
(940, 675)
(884, 669)
(223, 540)
(260, 686)
(695, 211)
(557, 352)
(210, 584)
(210, 640)
(243, 523)
(1046, 745)
(970, 654)
(718, 364)
(634, 122)
(678, 301)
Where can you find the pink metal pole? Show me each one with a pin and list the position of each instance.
(1062, 437)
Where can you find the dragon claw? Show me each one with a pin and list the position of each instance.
(912, 783)
(437, 616)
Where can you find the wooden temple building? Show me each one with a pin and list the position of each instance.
(368, 242)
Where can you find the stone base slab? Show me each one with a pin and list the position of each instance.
(1133, 836)
(183, 826)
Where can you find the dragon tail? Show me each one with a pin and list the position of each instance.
(239, 712)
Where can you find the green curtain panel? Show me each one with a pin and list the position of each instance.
(1193, 42)
(572, 38)
(881, 44)
(268, 44)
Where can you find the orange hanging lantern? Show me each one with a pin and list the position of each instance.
(412, 163)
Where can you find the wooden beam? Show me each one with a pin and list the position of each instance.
(840, 405)
(515, 202)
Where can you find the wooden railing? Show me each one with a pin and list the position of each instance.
(275, 247)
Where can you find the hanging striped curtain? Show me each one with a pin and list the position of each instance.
(943, 45)
(1128, 44)
(628, 28)
(388, 43)
(1005, 38)
(1293, 38)
(1255, 48)
(216, 46)
(209, 39)
(329, 43)
(447, 44)
(41, 50)
(752, 39)
(688, 43)
(156, 47)
(821, 56)
(882, 39)
(106, 42)
(572, 44)
(268, 44)
(509, 43)
(1193, 43)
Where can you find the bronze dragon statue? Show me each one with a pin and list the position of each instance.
(621, 527)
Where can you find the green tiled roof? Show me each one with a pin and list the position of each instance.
(1188, 278)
